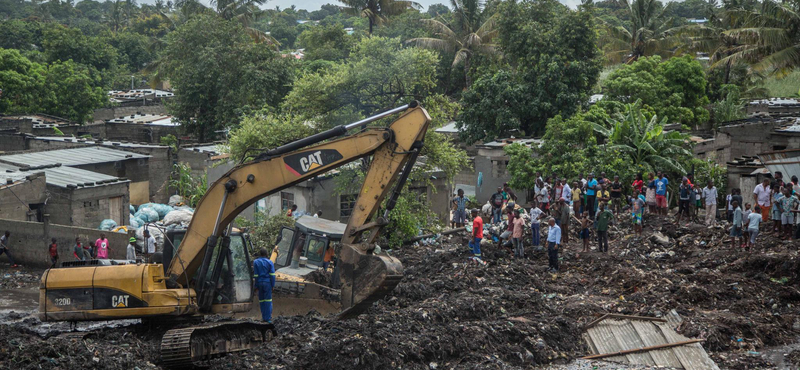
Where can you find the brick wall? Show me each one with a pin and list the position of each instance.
(140, 132)
(87, 207)
(11, 142)
(30, 240)
(16, 199)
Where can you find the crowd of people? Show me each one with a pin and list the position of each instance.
(92, 249)
(595, 203)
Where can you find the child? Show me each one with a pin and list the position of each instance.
(53, 253)
(753, 220)
(736, 228)
(477, 233)
(638, 208)
(585, 222)
(745, 229)
(516, 235)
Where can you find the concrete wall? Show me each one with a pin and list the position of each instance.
(140, 132)
(17, 200)
(199, 162)
(10, 142)
(87, 207)
(105, 114)
(30, 241)
(493, 167)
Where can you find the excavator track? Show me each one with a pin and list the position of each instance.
(186, 348)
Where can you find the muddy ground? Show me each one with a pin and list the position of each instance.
(509, 314)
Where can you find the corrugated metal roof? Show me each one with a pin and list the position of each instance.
(449, 128)
(62, 176)
(499, 144)
(71, 157)
(618, 333)
(118, 144)
(208, 148)
(785, 161)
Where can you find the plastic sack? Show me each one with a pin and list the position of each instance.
(134, 223)
(107, 225)
(132, 208)
(176, 200)
(162, 209)
(178, 217)
(120, 229)
(147, 214)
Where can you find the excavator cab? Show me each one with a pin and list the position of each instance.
(235, 268)
(301, 249)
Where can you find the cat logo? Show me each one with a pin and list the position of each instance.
(311, 162)
(302, 163)
(119, 301)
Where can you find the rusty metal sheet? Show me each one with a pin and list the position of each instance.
(627, 336)
(692, 356)
(651, 336)
(605, 341)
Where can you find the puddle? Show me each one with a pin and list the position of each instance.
(19, 300)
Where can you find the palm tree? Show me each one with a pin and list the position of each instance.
(769, 38)
(376, 11)
(467, 36)
(648, 33)
(242, 11)
(644, 141)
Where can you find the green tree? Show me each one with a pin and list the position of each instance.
(377, 11)
(649, 32)
(219, 73)
(71, 92)
(379, 74)
(731, 108)
(21, 82)
(675, 89)
(472, 33)
(263, 130)
(554, 65)
(63, 44)
(643, 141)
(769, 37)
(435, 10)
(133, 50)
(326, 42)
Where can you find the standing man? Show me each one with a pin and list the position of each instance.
(497, 205)
(4, 241)
(788, 206)
(616, 196)
(604, 217)
(510, 195)
(460, 214)
(553, 242)
(150, 243)
(544, 198)
(264, 276)
(477, 233)
(566, 192)
(130, 251)
(685, 194)
(536, 214)
(564, 224)
(762, 195)
(78, 251)
(591, 188)
(53, 249)
(710, 197)
(661, 194)
(577, 198)
(102, 247)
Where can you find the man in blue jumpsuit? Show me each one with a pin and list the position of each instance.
(264, 275)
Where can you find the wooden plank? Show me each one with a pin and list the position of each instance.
(692, 357)
(643, 349)
(651, 336)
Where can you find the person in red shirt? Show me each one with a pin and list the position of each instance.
(290, 213)
(477, 233)
(638, 183)
(53, 253)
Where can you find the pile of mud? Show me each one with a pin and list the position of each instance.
(449, 312)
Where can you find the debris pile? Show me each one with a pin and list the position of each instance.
(510, 313)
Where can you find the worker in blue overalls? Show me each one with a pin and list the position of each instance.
(264, 276)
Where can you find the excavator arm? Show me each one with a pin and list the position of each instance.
(365, 276)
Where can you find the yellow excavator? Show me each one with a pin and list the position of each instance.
(207, 270)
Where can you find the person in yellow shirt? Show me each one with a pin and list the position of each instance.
(576, 198)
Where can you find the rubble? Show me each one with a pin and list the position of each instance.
(449, 312)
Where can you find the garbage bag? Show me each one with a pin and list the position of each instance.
(162, 209)
(147, 214)
(107, 224)
(176, 200)
(132, 208)
(178, 217)
(134, 223)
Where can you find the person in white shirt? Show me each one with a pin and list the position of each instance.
(566, 192)
(536, 214)
(710, 198)
(150, 244)
(130, 253)
(763, 197)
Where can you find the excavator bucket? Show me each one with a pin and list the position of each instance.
(365, 278)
